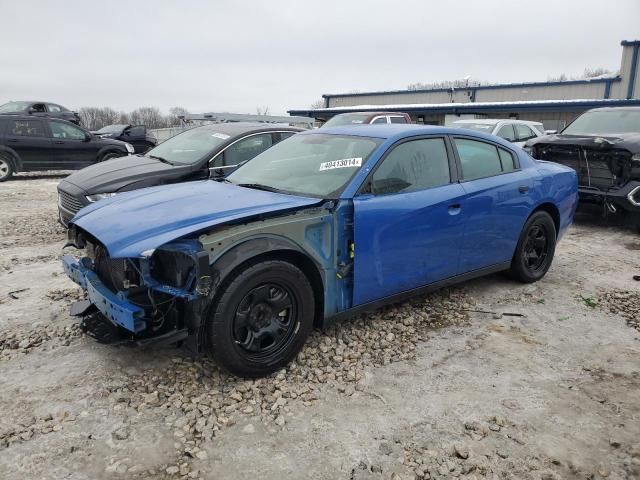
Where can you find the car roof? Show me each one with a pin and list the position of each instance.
(237, 128)
(384, 131)
(371, 114)
(493, 121)
(601, 109)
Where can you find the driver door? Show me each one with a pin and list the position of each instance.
(408, 222)
(72, 146)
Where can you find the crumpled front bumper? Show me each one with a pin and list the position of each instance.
(114, 306)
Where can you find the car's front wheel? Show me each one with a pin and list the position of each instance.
(261, 318)
(110, 155)
(535, 249)
(6, 168)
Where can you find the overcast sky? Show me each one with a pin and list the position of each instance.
(223, 55)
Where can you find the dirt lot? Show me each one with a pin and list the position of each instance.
(433, 388)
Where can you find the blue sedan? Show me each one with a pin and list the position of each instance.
(324, 225)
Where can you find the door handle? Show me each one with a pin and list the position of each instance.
(59, 142)
(12, 140)
(523, 189)
(454, 209)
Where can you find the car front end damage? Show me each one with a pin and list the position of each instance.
(165, 293)
(154, 295)
(608, 168)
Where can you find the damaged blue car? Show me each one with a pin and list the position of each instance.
(324, 225)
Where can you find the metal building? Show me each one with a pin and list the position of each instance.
(553, 103)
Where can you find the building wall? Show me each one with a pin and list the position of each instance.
(595, 89)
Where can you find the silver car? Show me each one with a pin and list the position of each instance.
(514, 131)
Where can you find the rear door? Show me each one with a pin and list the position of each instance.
(32, 144)
(408, 222)
(240, 151)
(73, 147)
(496, 200)
(506, 132)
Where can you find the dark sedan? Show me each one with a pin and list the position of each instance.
(41, 109)
(198, 153)
(137, 135)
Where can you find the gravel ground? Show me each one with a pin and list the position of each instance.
(491, 379)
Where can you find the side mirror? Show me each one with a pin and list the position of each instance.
(87, 137)
(550, 132)
(32, 110)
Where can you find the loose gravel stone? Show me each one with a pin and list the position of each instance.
(625, 303)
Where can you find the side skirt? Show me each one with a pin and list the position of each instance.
(402, 296)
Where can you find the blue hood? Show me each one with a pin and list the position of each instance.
(133, 222)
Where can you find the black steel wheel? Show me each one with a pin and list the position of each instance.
(261, 319)
(535, 249)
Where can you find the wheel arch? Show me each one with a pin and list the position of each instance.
(552, 210)
(13, 157)
(258, 250)
(109, 149)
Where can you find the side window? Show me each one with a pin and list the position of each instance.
(138, 131)
(398, 120)
(54, 108)
(478, 159)
(506, 132)
(413, 165)
(524, 132)
(506, 158)
(380, 120)
(247, 148)
(66, 132)
(278, 137)
(26, 128)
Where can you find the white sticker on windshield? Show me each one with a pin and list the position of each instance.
(222, 136)
(344, 163)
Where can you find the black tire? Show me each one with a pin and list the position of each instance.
(6, 168)
(110, 155)
(535, 249)
(247, 333)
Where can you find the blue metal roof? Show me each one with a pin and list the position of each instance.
(584, 81)
(475, 107)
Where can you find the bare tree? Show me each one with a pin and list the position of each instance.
(588, 73)
(317, 104)
(262, 111)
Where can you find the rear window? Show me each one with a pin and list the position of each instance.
(480, 159)
(348, 119)
(398, 120)
(26, 128)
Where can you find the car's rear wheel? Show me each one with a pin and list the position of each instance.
(535, 249)
(6, 168)
(110, 155)
(261, 319)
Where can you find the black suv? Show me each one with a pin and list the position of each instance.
(603, 146)
(40, 109)
(28, 143)
(137, 135)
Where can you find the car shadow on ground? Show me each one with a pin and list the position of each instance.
(39, 176)
(595, 216)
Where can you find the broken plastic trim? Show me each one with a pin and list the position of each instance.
(180, 254)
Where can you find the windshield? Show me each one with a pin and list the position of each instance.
(112, 129)
(605, 122)
(347, 119)
(480, 127)
(188, 148)
(14, 107)
(315, 165)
